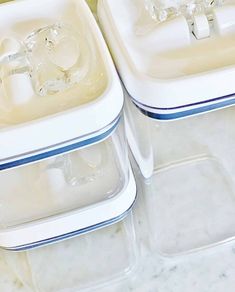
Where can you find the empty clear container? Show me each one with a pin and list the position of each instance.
(85, 260)
(64, 168)
(179, 118)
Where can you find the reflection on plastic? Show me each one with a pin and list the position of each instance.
(77, 168)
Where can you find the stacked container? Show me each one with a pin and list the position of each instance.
(64, 164)
(179, 81)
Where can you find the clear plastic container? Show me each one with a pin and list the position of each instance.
(42, 90)
(64, 183)
(83, 189)
(64, 168)
(179, 119)
(79, 263)
(190, 195)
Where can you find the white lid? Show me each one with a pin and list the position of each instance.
(72, 125)
(164, 67)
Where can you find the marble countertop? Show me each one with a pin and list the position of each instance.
(210, 271)
(206, 271)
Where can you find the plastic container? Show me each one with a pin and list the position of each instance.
(179, 119)
(84, 260)
(64, 165)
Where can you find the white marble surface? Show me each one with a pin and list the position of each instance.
(211, 271)
(8, 280)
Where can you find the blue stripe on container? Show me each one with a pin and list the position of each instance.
(186, 113)
(57, 151)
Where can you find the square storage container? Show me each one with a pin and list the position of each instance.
(81, 263)
(64, 168)
(179, 118)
